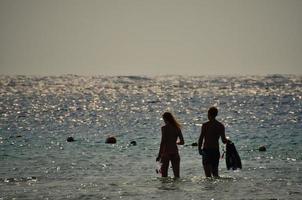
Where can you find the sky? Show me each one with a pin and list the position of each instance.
(150, 37)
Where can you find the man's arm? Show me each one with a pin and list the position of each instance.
(200, 140)
(223, 137)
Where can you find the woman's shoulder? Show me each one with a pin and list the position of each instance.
(169, 127)
(164, 127)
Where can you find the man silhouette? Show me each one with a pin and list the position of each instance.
(208, 143)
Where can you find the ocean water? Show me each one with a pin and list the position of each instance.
(37, 114)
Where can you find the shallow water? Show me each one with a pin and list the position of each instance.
(37, 114)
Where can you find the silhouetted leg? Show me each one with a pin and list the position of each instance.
(215, 164)
(215, 171)
(206, 163)
(207, 170)
(175, 161)
(165, 166)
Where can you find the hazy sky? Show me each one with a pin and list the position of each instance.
(150, 37)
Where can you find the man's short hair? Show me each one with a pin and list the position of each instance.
(213, 111)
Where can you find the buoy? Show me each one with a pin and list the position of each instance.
(110, 140)
(194, 144)
(69, 139)
(262, 148)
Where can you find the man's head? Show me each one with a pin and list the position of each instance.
(212, 113)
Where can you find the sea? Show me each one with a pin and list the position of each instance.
(38, 114)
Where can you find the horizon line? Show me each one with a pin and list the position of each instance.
(150, 75)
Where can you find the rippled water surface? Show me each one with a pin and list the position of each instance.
(37, 114)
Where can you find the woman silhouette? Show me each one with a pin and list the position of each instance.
(168, 151)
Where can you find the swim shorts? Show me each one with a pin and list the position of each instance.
(210, 157)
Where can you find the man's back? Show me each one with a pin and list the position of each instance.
(211, 131)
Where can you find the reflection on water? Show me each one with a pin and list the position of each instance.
(37, 114)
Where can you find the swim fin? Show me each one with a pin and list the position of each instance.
(232, 157)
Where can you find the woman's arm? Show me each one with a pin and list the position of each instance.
(161, 144)
(181, 140)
